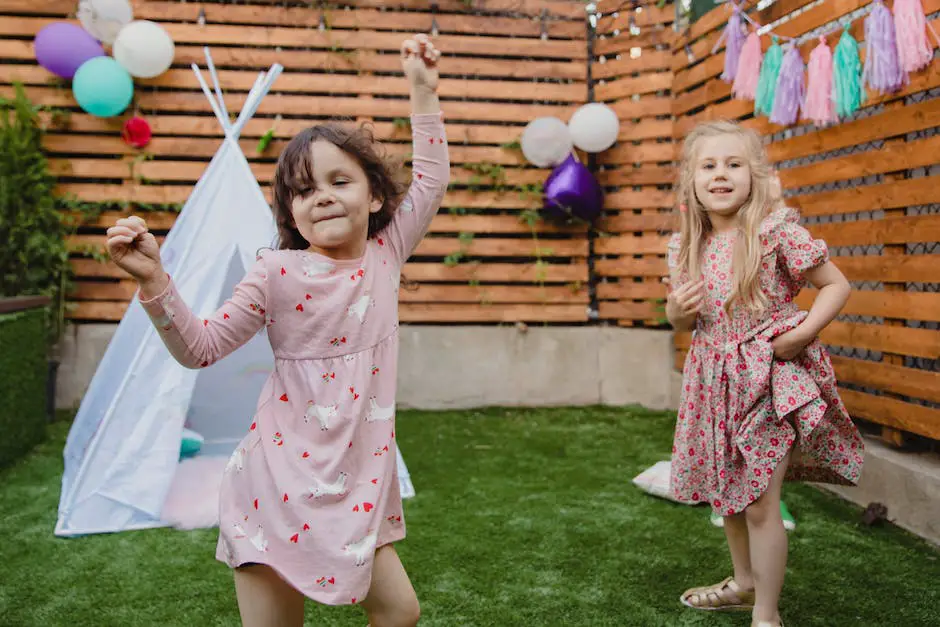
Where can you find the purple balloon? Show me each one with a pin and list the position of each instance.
(61, 48)
(572, 191)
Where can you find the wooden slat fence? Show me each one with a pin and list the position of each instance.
(506, 62)
(632, 73)
(868, 186)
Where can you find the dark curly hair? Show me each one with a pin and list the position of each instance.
(295, 172)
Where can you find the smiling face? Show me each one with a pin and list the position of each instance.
(333, 201)
(722, 176)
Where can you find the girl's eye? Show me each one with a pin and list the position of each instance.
(304, 192)
(708, 166)
(735, 165)
(341, 182)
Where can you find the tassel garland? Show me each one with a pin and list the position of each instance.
(882, 69)
(819, 106)
(847, 76)
(834, 83)
(745, 81)
(788, 95)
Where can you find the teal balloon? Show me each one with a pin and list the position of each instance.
(102, 87)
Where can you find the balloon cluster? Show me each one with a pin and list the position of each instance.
(103, 85)
(571, 191)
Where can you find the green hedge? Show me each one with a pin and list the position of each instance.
(24, 370)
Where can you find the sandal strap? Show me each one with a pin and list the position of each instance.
(726, 592)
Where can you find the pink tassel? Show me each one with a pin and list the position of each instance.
(915, 51)
(790, 88)
(733, 38)
(819, 106)
(745, 82)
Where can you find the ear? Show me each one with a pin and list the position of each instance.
(375, 205)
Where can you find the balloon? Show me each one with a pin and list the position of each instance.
(104, 18)
(136, 132)
(144, 48)
(62, 48)
(546, 142)
(572, 191)
(102, 87)
(594, 127)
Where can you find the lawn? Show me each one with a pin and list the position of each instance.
(522, 517)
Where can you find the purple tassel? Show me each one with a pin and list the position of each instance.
(883, 70)
(790, 88)
(733, 38)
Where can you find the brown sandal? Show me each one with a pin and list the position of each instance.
(726, 595)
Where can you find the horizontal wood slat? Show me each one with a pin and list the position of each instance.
(556, 9)
(357, 39)
(113, 311)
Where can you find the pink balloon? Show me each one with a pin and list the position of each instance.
(62, 48)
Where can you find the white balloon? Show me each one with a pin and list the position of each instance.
(546, 141)
(144, 48)
(104, 19)
(594, 127)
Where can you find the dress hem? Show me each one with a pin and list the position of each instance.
(332, 600)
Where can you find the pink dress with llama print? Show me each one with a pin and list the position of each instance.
(742, 409)
(312, 489)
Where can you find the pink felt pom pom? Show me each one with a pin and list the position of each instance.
(745, 81)
(819, 106)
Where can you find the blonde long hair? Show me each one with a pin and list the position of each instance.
(695, 225)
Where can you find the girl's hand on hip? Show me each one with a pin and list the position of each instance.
(790, 344)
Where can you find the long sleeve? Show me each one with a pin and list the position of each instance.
(197, 343)
(429, 179)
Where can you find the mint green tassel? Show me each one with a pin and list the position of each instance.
(847, 76)
(767, 83)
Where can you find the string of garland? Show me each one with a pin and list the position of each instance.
(832, 85)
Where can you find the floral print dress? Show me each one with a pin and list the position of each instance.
(741, 409)
(312, 488)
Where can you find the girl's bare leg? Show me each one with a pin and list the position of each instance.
(391, 601)
(266, 600)
(768, 541)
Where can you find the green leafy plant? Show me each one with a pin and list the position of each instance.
(34, 258)
(139, 158)
(465, 238)
(402, 124)
(487, 174)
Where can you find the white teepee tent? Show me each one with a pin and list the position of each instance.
(123, 450)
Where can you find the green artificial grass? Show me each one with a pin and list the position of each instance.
(522, 517)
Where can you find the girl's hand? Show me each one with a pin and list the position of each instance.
(135, 250)
(790, 344)
(419, 60)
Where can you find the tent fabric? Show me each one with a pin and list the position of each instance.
(123, 449)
